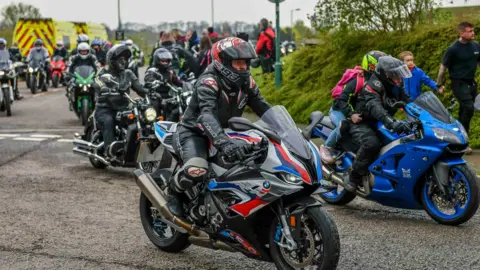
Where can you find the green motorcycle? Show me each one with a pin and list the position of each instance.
(81, 92)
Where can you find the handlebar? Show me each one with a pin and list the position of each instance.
(255, 151)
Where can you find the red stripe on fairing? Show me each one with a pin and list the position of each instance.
(303, 172)
(244, 209)
(246, 138)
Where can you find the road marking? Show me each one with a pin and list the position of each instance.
(9, 135)
(29, 139)
(45, 136)
(1, 138)
(65, 140)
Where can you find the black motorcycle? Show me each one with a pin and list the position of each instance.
(7, 76)
(134, 124)
(37, 76)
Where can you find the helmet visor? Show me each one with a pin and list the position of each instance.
(401, 72)
(243, 50)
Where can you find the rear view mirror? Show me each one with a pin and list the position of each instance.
(314, 119)
(240, 124)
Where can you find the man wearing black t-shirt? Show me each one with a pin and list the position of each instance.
(461, 60)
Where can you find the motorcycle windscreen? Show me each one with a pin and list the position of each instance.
(4, 60)
(84, 71)
(429, 102)
(37, 59)
(57, 58)
(278, 120)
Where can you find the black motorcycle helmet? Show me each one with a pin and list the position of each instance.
(224, 52)
(162, 58)
(117, 57)
(391, 70)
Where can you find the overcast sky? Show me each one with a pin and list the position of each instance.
(155, 11)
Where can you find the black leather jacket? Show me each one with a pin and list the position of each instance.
(156, 74)
(109, 96)
(61, 52)
(371, 103)
(78, 61)
(217, 103)
(15, 54)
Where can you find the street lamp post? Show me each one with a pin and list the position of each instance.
(278, 65)
(291, 22)
(213, 14)
(119, 20)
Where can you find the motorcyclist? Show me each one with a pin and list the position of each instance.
(373, 104)
(343, 106)
(84, 57)
(15, 54)
(156, 76)
(100, 54)
(193, 42)
(221, 92)
(82, 38)
(3, 47)
(134, 48)
(110, 97)
(61, 51)
(40, 52)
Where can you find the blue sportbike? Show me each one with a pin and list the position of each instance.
(420, 170)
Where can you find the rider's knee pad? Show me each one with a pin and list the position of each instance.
(195, 169)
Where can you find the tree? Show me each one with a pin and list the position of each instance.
(12, 12)
(301, 31)
(372, 15)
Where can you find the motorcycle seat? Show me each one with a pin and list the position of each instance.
(326, 122)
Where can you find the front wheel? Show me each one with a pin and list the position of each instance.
(55, 80)
(7, 101)
(461, 200)
(85, 111)
(33, 84)
(319, 246)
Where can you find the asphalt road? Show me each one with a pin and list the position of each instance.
(57, 212)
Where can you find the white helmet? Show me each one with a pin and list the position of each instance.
(83, 50)
(59, 43)
(129, 42)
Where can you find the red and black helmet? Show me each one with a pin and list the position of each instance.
(228, 49)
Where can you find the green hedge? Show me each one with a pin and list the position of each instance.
(311, 73)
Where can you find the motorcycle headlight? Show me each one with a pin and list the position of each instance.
(464, 132)
(187, 100)
(80, 85)
(150, 114)
(2, 73)
(30, 69)
(292, 179)
(85, 88)
(446, 136)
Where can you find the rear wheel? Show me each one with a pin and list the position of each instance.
(159, 233)
(95, 138)
(8, 101)
(319, 247)
(461, 200)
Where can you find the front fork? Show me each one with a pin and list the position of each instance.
(288, 230)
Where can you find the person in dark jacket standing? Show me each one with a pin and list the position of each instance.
(205, 55)
(265, 46)
(461, 60)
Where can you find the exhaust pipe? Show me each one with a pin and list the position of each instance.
(86, 145)
(157, 198)
(206, 242)
(330, 175)
(85, 153)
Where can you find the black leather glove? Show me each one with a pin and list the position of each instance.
(233, 151)
(398, 127)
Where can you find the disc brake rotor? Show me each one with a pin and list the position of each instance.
(292, 257)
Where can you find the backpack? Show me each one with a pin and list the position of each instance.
(273, 53)
(350, 74)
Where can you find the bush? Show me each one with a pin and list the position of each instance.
(311, 72)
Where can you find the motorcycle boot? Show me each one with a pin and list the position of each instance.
(353, 181)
